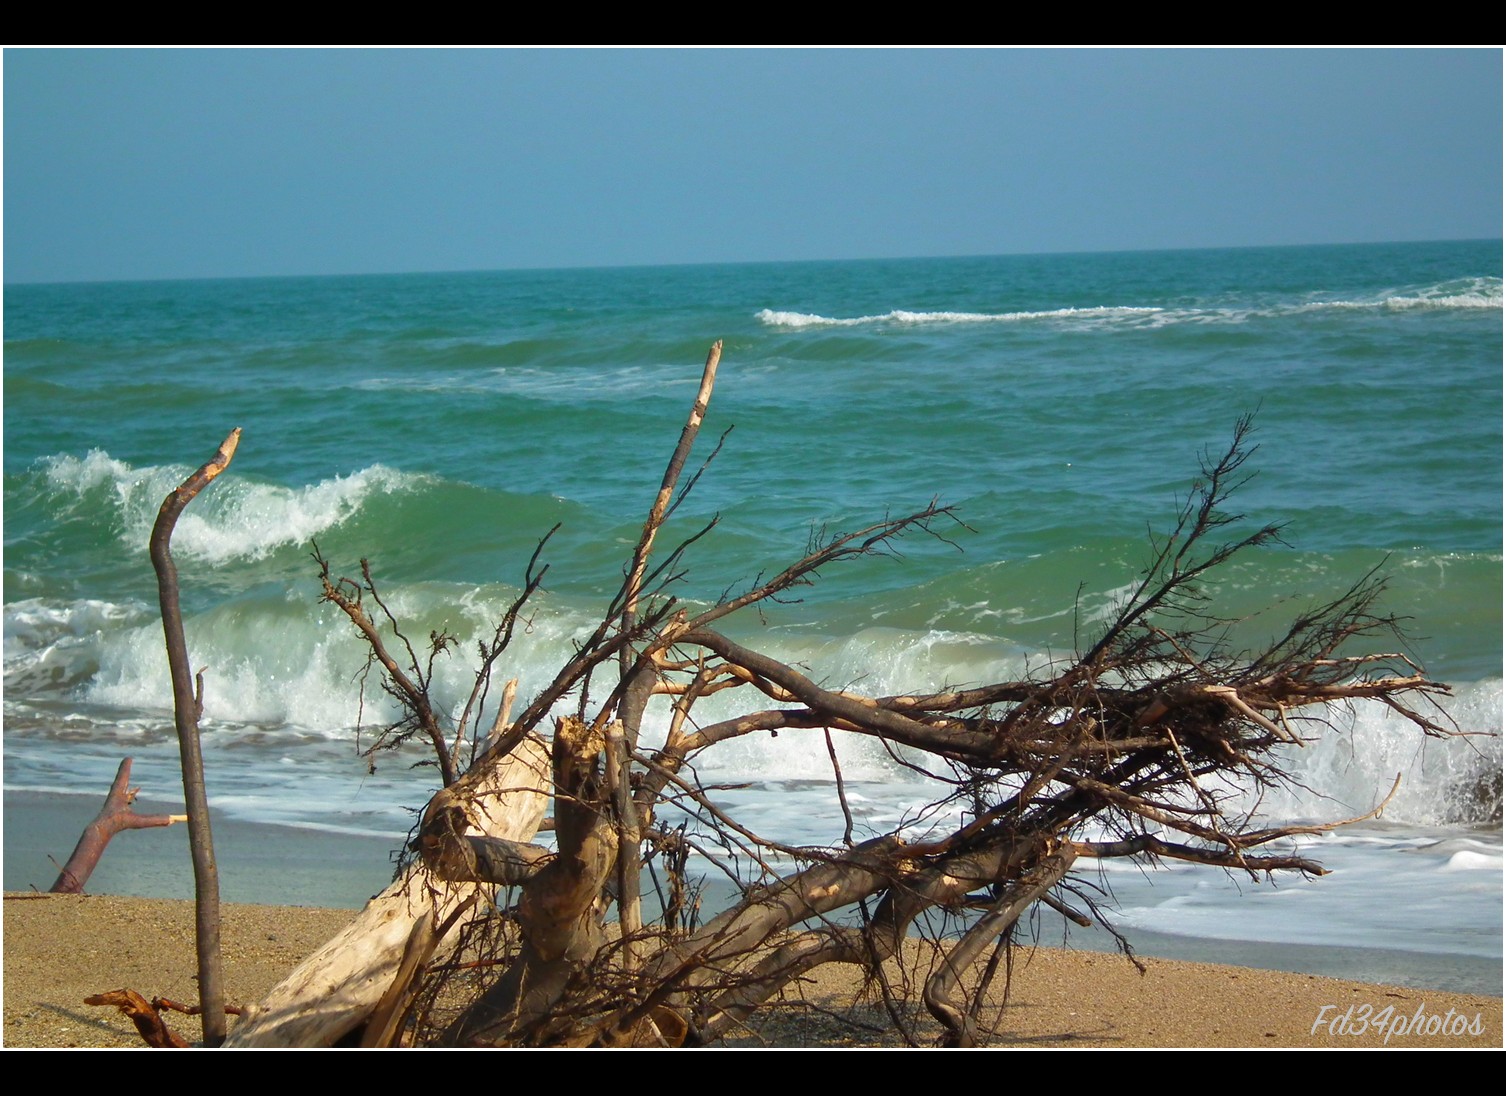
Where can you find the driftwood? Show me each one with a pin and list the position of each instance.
(338, 988)
(1136, 736)
(188, 706)
(147, 1015)
(114, 816)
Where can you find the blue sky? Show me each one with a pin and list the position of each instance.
(125, 164)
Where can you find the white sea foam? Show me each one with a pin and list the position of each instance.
(1474, 861)
(95, 469)
(281, 663)
(1410, 888)
(50, 643)
(239, 519)
(252, 520)
(1350, 769)
(1467, 293)
(293, 667)
(1431, 298)
(774, 318)
(35, 623)
(1460, 293)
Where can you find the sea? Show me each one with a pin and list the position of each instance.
(438, 425)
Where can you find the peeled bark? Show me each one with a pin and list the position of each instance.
(562, 908)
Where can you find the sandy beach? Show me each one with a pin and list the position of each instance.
(60, 949)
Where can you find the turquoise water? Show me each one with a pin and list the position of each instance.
(439, 424)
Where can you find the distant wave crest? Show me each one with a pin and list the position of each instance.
(1473, 293)
(1483, 293)
(1470, 294)
(774, 318)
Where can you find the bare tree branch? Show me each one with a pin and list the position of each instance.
(188, 703)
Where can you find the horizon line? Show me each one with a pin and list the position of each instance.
(733, 262)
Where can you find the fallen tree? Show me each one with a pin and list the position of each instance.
(492, 938)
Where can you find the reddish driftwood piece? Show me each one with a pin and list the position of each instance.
(147, 1019)
(160, 1003)
(147, 1015)
(114, 816)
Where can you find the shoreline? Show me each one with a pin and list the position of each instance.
(62, 948)
(267, 864)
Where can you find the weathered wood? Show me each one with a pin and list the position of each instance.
(114, 816)
(382, 1028)
(561, 910)
(335, 990)
(943, 993)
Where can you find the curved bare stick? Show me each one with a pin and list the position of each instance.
(1235, 858)
(1145, 843)
(186, 707)
(660, 508)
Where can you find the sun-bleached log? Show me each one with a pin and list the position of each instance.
(335, 990)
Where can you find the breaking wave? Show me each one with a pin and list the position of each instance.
(240, 519)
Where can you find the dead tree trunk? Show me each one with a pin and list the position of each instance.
(114, 816)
